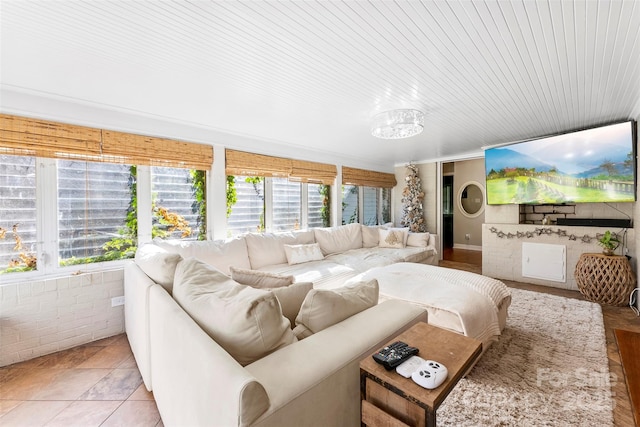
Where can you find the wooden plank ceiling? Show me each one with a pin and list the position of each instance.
(310, 76)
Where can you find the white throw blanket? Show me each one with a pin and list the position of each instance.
(471, 299)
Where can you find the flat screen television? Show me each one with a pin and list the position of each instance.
(586, 166)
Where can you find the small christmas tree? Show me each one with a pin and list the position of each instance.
(412, 195)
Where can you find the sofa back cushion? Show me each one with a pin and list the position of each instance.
(220, 254)
(370, 237)
(245, 321)
(268, 248)
(158, 264)
(339, 239)
(322, 308)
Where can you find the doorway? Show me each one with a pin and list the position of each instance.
(447, 212)
(462, 211)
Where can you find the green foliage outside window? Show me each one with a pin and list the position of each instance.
(232, 195)
(325, 211)
(257, 181)
(199, 206)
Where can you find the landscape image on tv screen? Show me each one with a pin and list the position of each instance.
(593, 165)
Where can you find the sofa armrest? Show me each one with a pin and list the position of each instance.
(136, 317)
(195, 381)
(318, 377)
(434, 244)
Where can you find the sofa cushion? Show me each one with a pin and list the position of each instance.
(339, 239)
(291, 297)
(245, 321)
(370, 236)
(260, 279)
(220, 254)
(158, 264)
(322, 308)
(393, 237)
(268, 248)
(419, 240)
(298, 254)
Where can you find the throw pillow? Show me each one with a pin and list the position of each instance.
(158, 264)
(322, 308)
(393, 237)
(297, 254)
(420, 240)
(291, 297)
(245, 321)
(260, 279)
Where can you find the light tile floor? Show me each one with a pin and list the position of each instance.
(97, 384)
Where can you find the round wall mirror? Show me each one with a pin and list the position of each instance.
(471, 199)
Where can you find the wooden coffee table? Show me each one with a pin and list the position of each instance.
(389, 399)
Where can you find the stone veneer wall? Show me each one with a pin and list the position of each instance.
(44, 316)
(502, 256)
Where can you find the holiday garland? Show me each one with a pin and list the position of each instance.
(547, 232)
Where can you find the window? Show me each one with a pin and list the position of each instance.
(292, 194)
(17, 213)
(349, 204)
(287, 204)
(176, 207)
(366, 196)
(376, 205)
(93, 200)
(370, 202)
(386, 205)
(318, 205)
(275, 204)
(247, 212)
(85, 210)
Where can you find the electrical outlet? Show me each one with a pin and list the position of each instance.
(467, 236)
(116, 301)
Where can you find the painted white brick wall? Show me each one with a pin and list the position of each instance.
(45, 316)
(502, 257)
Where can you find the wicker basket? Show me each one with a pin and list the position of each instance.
(605, 279)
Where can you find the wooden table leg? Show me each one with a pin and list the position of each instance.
(431, 418)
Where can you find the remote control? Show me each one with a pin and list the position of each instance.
(394, 354)
(409, 366)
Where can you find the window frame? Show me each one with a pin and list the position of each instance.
(47, 231)
(269, 205)
(46, 247)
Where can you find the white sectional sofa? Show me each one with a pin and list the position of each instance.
(198, 380)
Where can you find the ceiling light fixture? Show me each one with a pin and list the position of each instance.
(396, 124)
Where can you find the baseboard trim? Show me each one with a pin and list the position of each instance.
(467, 247)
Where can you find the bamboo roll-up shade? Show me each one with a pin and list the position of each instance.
(119, 147)
(367, 178)
(305, 171)
(250, 164)
(32, 137)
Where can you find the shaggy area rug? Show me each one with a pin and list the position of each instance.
(549, 368)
